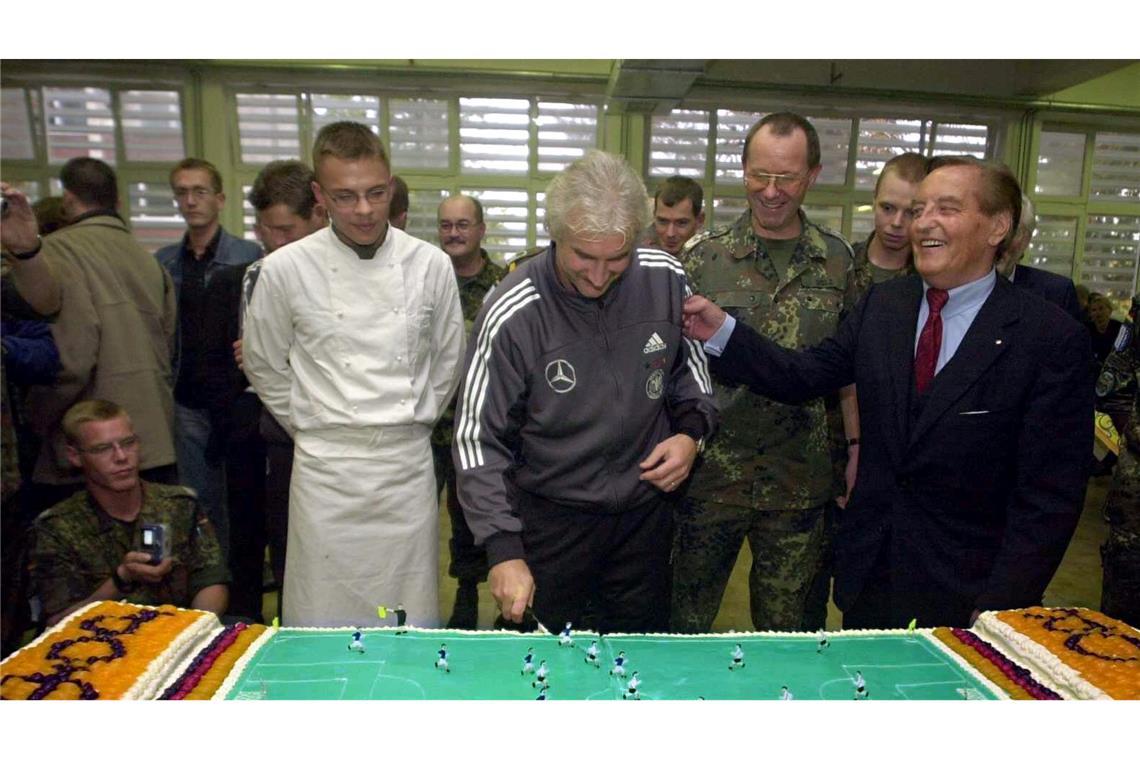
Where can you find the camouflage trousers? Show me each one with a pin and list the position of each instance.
(1120, 555)
(787, 548)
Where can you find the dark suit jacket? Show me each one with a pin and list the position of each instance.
(1052, 287)
(979, 493)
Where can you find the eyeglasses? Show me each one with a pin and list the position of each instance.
(198, 192)
(346, 199)
(130, 443)
(783, 181)
(462, 225)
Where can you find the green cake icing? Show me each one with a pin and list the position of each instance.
(318, 664)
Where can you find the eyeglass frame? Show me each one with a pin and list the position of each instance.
(463, 225)
(782, 181)
(129, 443)
(344, 204)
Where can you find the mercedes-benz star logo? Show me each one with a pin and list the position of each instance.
(560, 376)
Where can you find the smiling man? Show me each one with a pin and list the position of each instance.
(581, 412)
(768, 477)
(352, 338)
(974, 400)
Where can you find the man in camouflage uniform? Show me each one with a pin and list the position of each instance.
(461, 231)
(1120, 555)
(677, 215)
(768, 474)
(87, 547)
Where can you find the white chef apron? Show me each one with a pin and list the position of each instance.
(363, 528)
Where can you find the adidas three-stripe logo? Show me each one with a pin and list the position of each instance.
(653, 344)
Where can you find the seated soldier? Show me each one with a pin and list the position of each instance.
(87, 547)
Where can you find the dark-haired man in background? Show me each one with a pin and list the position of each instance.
(204, 250)
(677, 214)
(974, 401)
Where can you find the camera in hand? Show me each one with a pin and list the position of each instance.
(154, 539)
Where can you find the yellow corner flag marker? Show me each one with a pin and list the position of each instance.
(913, 624)
(382, 612)
(276, 623)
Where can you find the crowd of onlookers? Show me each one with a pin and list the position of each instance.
(170, 417)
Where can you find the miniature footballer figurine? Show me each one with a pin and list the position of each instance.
(631, 687)
(860, 686)
(401, 619)
(542, 693)
(737, 658)
(528, 661)
(592, 654)
(357, 643)
(619, 665)
(823, 642)
(564, 639)
(786, 695)
(540, 675)
(442, 661)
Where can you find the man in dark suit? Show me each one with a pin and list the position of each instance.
(1052, 287)
(975, 403)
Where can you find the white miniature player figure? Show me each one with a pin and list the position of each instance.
(631, 687)
(542, 693)
(786, 695)
(823, 642)
(357, 643)
(528, 661)
(860, 686)
(592, 654)
(442, 661)
(619, 665)
(737, 658)
(564, 639)
(540, 675)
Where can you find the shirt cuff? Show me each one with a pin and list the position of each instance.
(502, 547)
(715, 345)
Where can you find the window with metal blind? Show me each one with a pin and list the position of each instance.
(1060, 163)
(565, 132)
(731, 130)
(328, 109)
(248, 215)
(423, 214)
(29, 187)
(1116, 167)
(505, 215)
(268, 127)
(1054, 245)
(79, 122)
(494, 136)
(151, 121)
(154, 217)
(16, 140)
(834, 148)
(418, 134)
(1111, 258)
(542, 237)
(679, 143)
(862, 222)
(879, 141)
(958, 139)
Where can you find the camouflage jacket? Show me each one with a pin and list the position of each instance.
(864, 273)
(769, 455)
(76, 546)
(472, 291)
(1120, 376)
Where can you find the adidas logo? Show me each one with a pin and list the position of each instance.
(653, 344)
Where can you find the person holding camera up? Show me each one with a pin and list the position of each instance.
(122, 537)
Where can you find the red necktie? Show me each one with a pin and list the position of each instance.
(930, 341)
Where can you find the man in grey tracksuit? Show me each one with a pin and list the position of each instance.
(581, 412)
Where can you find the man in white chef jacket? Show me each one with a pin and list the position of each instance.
(352, 340)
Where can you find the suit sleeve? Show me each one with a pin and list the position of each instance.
(493, 383)
(787, 375)
(1052, 471)
(267, 340)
